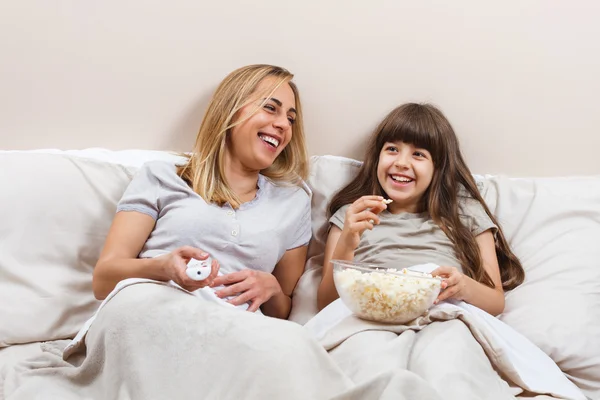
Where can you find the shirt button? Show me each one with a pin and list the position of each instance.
(234, 233)
(230, 212)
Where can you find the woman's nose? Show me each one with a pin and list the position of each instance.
(281, 122)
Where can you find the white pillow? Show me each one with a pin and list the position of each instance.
(553, 226)
(55, 214)
(328, 174)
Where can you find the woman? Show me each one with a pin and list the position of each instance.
(238, 199)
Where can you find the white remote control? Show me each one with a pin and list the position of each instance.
(199, 270)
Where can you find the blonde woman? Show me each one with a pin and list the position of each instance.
(238, 199)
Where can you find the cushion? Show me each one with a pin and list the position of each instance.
(328, 174)
(55, 211)
(553, 226)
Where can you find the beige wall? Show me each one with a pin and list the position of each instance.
(518, 79)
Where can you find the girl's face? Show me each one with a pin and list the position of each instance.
(404, 172)
(256, 143)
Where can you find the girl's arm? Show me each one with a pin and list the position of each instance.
(341, 244)
(461, 287)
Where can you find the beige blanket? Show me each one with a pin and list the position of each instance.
(152, 341)
(461, 351)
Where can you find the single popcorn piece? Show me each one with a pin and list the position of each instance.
(387, 201)
(387, 297)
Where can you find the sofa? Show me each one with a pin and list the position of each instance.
(57, 206)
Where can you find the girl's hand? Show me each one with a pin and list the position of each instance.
(175, 264)
(256, 287)
(360, 216)
(454, 285)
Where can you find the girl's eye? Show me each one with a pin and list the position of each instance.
(392, 148)
(419, 154)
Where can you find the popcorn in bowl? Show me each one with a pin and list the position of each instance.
(384, 295)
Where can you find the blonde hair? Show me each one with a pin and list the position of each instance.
(205, 170)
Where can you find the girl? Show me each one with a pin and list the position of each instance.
(436, 215)
(238, 199)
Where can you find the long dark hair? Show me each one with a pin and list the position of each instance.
(425, 126)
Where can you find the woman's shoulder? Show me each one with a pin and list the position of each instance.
(296, 192)
(160, 170)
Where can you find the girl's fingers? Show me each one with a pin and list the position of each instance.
(366, 216)
(362, 204)
(446, 294)
(442, 271)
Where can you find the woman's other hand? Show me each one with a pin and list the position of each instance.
(175, 264)
(249, 286)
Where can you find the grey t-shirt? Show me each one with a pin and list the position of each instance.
(254, 236)
(407, 239)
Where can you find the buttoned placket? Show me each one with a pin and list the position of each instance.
(233, 224)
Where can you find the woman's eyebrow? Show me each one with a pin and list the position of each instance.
(279, 103)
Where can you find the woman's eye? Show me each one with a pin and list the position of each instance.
(269, 107)
(292, 120)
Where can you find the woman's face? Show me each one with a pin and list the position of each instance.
(257, 142)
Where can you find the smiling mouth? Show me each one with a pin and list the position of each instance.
(401, 179)
(270, 140)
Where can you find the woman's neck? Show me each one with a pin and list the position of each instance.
(242, 181)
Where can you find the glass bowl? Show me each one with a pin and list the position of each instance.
(384, 295)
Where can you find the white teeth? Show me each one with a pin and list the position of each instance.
(269, 139)
(401, 179)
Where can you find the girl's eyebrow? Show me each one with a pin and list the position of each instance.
(279, 103)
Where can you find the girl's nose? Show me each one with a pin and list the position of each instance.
(401, 161)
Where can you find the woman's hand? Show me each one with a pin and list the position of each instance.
(175, 264)
(454, 285)
(256, 287)
(360, 216)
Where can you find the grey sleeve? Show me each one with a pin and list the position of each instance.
(304, 232)
(339, 217)
(474, 216)
(141, 194)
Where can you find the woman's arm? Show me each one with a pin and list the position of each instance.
(271, 292)
(461, 287)
(327, 292)
(287, 272)
(119, 258)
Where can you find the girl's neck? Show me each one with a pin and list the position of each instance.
(399, 208)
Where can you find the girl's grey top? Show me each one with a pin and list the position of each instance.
(254, 236)
(407, 239)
